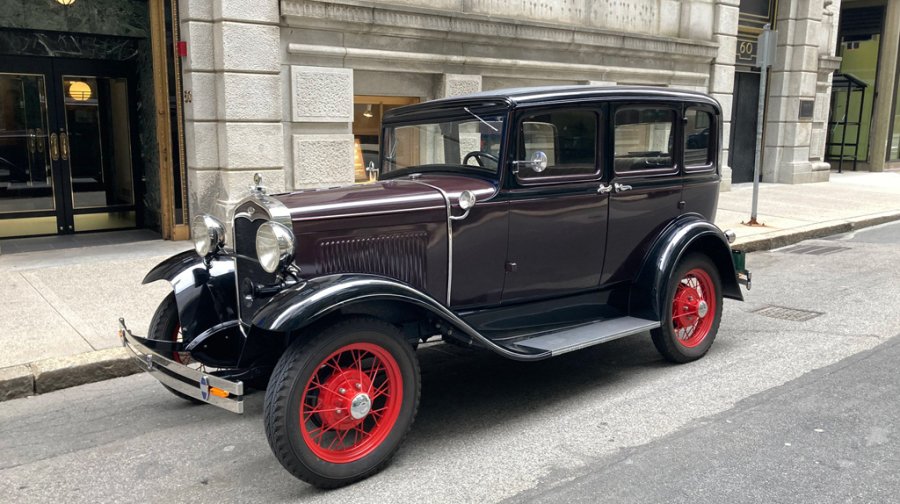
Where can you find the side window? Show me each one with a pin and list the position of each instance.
(567, 137)
(644, 138)
(699, 139)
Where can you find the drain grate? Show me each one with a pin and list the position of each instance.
(814, 249)
(784, 313)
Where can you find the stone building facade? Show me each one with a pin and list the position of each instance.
(273, 82)
(294, 89)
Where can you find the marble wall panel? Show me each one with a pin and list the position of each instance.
(321, 94)
(128, 18)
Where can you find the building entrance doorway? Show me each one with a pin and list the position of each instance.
(743, 126)
(367, 114)
(66, 156)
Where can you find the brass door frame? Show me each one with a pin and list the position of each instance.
(160, 54)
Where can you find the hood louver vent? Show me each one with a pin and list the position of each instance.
(397, 256)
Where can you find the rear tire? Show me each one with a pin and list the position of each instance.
(692, 310)
(339, 405)
(166, 326)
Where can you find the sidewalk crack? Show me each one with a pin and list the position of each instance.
(68, 322)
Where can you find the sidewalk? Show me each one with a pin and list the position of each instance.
(59, 318)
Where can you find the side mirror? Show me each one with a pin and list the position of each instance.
(538, 162)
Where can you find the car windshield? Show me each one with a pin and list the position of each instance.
(463, 143)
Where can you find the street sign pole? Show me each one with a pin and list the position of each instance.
(765, 56)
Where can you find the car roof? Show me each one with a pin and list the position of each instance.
(543, 94)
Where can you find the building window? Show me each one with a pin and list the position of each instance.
(367, 114)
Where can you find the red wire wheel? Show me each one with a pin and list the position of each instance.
(340, 401)
(692, 310)
(350, 405)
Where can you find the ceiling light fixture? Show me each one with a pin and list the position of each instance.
(368, 112)
(65, 3)
(80, 91)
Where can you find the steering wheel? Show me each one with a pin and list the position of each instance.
(478, 155)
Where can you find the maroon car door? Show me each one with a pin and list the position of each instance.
(646, 183)
(557, 215)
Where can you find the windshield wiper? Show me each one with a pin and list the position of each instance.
(473, 114)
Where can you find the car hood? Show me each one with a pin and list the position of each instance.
(383, 197)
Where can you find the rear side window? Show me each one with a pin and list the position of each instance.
(567, 137)
(644, 138)
(699, 139)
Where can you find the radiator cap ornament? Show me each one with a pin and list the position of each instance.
(257, 187)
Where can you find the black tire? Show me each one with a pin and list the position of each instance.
(164, 326)
(679, 344)
(294, 385)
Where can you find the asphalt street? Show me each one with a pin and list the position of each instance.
(796, 402)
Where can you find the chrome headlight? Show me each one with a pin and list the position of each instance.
(208, 234)
(274, 246)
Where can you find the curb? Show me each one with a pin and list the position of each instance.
(783, 238)
(58, 373)
(52, 374)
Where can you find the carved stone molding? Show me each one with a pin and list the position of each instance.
(468, 27)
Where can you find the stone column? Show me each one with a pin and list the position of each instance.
(882, 110)
(200, 114)
(793, 80)
(248, 89)
(234, 121)
(322, 130)
(721, 82)
(826, 39)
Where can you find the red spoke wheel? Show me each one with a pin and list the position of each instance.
(693, 309)
(339, 405)
(166, 326)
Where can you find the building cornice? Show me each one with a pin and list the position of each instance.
(395, 20)
(376, 59)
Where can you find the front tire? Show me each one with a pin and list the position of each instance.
(692, 310)
(166, 326)
(338, 405)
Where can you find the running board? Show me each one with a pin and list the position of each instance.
(583, 336)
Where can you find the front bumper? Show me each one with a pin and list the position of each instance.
(194, 383)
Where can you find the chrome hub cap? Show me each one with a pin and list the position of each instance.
(360, 406)
(702, 309)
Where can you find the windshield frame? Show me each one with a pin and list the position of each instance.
(458, 113)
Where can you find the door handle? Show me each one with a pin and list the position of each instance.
(64, 146)
(621, 187)
(54, 147)
(604, 189)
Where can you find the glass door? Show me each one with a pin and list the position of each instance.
(95, 142)
(66, 156)
(27, 189)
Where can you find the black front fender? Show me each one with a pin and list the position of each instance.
(307, 302)
(205, 293)
(689, 233)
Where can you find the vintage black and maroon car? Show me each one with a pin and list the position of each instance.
(528, 222)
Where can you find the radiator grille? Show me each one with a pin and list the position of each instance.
(398, 256)
(247, 267)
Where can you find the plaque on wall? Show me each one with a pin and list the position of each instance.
(806, 109)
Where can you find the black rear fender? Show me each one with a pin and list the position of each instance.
(685, 235)
(205, 293)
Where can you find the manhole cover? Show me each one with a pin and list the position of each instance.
(814, 249)
(784, 313)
